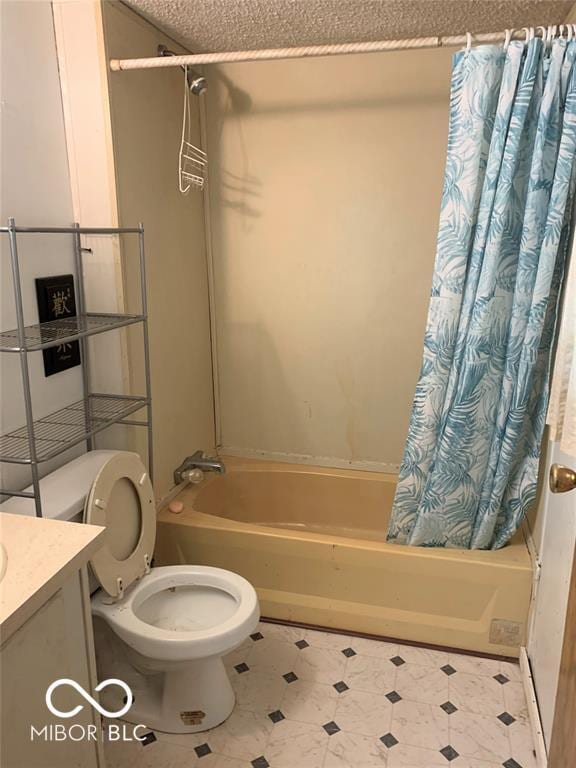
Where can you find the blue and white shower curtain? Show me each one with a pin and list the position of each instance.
(470, 464)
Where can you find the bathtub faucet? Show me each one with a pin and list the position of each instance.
(198, 461)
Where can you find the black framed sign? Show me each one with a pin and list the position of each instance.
(56, 301)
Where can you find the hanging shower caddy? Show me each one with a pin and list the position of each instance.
(49, 436)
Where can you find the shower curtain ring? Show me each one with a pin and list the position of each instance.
(544, 31)
(507, 39)
(550, 30)
(468, 42)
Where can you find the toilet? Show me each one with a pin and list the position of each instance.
(162, 630)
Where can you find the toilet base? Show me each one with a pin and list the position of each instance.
(195, 697)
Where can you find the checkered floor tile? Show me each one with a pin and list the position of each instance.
(309, 699)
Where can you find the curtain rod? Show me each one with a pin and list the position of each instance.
(190, 60)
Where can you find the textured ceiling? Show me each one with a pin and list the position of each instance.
(228, 25)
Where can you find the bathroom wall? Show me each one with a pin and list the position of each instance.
(146, 113)
(326, 177)
(35, 190)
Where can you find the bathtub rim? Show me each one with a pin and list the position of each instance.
(513, 555)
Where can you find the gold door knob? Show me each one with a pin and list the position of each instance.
(562, 479)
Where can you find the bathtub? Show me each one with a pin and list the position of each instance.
(312, 541)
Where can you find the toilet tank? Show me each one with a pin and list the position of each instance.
(63, 492)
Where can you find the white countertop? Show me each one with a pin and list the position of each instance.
(41, 555)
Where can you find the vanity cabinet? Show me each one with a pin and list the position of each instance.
(50, 639)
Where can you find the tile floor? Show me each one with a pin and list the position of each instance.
(308, 699)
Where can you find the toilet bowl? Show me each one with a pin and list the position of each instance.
(163, 630)
(176, 623)
(183, 612)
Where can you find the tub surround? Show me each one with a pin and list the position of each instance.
(42, 555)
(312, 542)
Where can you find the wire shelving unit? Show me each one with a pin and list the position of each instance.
(47, 437)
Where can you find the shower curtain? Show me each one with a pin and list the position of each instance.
(470, 463)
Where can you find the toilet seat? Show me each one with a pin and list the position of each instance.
(122, 500)
(177, 645)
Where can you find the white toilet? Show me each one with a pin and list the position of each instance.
(161, 630)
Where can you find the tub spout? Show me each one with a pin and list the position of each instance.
(198, 461)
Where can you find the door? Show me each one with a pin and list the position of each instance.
(562, 750)
(553, 635)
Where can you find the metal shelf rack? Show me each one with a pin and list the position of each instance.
(55, 332)
(47, 437)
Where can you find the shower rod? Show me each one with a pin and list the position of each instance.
(159, 62)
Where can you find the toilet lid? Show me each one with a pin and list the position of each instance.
(122, 500)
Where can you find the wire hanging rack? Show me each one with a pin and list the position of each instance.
(192, 161)
(51, 435)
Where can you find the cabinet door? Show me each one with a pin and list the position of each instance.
(52, 644)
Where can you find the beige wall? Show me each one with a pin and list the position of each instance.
(146, 122)
(326, 178)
